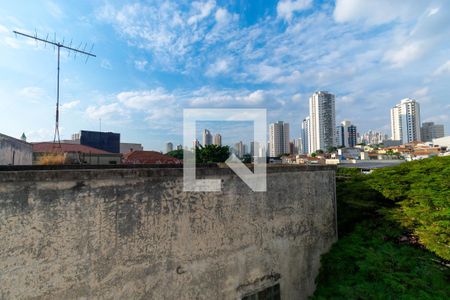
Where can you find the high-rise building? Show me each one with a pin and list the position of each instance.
(169, 147)
(322, 121)
(346, 135)
(254, 149)
(292, 147)
(279, 138)
(305, 135)
(180, 147)
(218, 139)
(207, 137)
(405, 121)
(373, 138)
(299, 145)
(239, 149)
(430, 131)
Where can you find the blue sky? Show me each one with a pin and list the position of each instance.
(155, 58)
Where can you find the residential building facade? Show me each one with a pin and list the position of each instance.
(169, 147)
(305, 135)
(218, 139)
(405, 121)
(322, 121)
(279, 138)
(430, 131)
(207, 137)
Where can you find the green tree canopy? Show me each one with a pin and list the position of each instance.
(212, 154)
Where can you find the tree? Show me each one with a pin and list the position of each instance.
(176, 153)
(247, 159)
(331, 149)
(320, 151)
(314, 154)
(212, 154)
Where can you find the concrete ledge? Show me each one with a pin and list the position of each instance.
(61, 173)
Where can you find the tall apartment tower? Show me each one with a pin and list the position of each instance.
(405, 121)
(322, 121)
(239, 149)
(279, 138)
(305, 135)
(218, 139)
(430, 131)
(207, 137)
(346, 135)
(169, 147)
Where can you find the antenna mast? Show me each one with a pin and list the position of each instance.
(59, 45)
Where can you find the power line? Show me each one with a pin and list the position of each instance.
(59, 45)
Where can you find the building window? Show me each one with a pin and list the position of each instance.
(270, 293)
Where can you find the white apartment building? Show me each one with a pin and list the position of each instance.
(322, 121)
(169, 147)
(305, 135)
(218, 139)
(278, 138)
(207, 137)
(405, 121)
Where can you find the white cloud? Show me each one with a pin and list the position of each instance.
(220, 66)
(70, 105)
(201, 10)
(111, 111)
(286, 8)
(422, 92)
(443, 69)
(140, 64)
(172, 31)
(3, 29)
(296, 97)
(222, 16)
(145, 100)
(106, 64)
(406, 54)
(255, 97)
(54, 9)
(33, 92)
(376, 12)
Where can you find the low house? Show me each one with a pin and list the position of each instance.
(74, 154)
(149, 157)
(14, 151)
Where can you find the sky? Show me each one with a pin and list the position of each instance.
(156, 58)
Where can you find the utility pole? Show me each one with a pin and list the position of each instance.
(59, 45)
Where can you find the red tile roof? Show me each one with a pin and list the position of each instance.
(48, 147)
(149, 157)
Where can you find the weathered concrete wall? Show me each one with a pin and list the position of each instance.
(134, 234)
(14, 151)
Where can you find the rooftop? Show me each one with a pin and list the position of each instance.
(48, 147)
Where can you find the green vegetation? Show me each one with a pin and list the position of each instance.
(176, 153)
(393, 234)
(370, 263)
(206, 154)
(212, 154)
(421, 192)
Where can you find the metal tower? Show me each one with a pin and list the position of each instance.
(59, 45)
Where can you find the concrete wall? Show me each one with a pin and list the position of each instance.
(14, 151)
(134, 234)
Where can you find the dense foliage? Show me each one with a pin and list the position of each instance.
(206, 154)
(212, 154)
(388, 223)
(176, 153)
(370, 263)
(421, 190)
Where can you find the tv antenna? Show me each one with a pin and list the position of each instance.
(59, 45)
